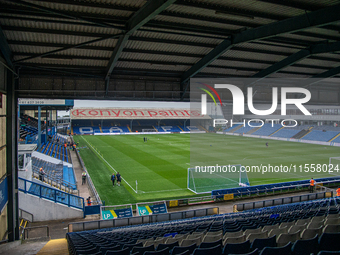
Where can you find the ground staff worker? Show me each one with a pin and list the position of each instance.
(338, 192)
(311, 185)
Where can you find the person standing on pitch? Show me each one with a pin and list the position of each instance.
(113, 178)
(311, 185)
(119, 178)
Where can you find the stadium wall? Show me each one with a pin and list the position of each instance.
(283, 139)
(44, 210)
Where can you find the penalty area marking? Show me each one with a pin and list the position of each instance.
(158, 191)
(108, 163)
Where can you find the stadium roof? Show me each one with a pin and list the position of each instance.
(138, 49)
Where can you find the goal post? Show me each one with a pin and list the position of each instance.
(334, 165)
(205, 179)
(148, 130)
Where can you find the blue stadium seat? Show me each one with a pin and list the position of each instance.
(216, 250)
(284, 250)
(265, 242)
(141, 250)
(234, 248)
(254, 252)
(306, 247)
(180, 249)
(329, 242)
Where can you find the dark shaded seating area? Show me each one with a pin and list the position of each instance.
(272, 230)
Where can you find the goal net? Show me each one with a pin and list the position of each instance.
(334, 165)
(145, 130)
(205, 179)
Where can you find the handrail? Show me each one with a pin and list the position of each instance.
(21, 211)
(26, 230)
(88, 179)
(58, 181)
(35, 168)
(279, 201)
(51, 194)
(162, 217)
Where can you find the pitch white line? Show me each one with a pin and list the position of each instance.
(108, 163)
(161, 191)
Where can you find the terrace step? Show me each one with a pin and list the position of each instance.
(334, 137)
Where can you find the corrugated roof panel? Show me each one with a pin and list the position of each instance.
(86, 53)
(253, 55)
(324, 32)
(166, 47)
(284, 75)
(105, 43)
(67, 62)
(318, 62)
(59, 26)
(185, 21)
(309, 71)
(31, 49)
(279, 44)
(183, 33)
(335, 57)
(257, 6)
(84, 9)
(134, 65)
(227, 71)
(321, 3)
(211, 13)
(46, 38)
(263, 47)
(131, 3)
(302, 37)
(166, 36)
(234, 63)
(156, 57)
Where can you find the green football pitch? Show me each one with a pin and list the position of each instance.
(157, 169)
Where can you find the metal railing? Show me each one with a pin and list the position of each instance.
(120, 222)
(51, 194)
(54, 181)
(89, 182)
(26, 231)
(280, 201)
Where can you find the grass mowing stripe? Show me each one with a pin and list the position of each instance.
(108, 163)
(160, 164)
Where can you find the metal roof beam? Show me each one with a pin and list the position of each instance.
(143, 15)
(66, 48)
(59, 13)
(328, 74)
(282, 64)
(321, 76)
(315, 49)
(5, 50)
(313, 19)
(101, 48)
